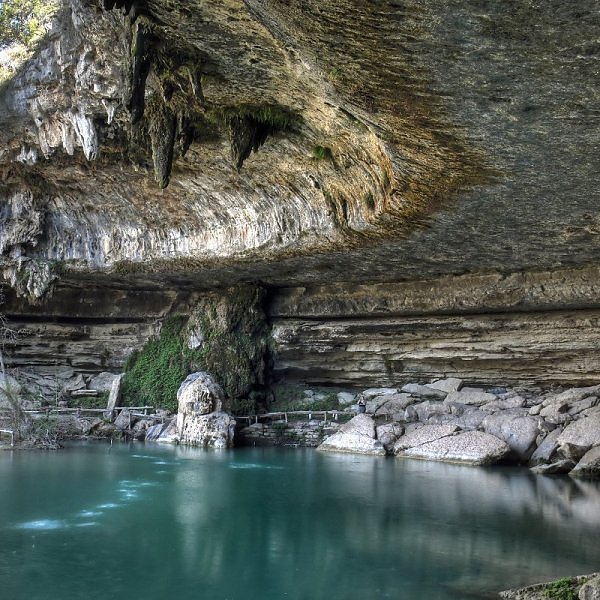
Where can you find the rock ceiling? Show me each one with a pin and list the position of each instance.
(293, 141)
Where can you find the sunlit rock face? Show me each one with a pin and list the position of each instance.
(164, 147)
(201, 420)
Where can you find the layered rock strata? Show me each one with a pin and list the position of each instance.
(529, 328)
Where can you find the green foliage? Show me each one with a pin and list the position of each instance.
(291, 397)
(369, 201)
(562, 589)
(153, 375)
(287, 397)
(98, 401)
(329, 402)
(235, 339)
(24, 21)
(322, 152)
(245, 406)
(235, 342)
(277, 118)
(334, 74)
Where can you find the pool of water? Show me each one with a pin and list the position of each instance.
(96, 521)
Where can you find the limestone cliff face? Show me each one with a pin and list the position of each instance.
(152, 148)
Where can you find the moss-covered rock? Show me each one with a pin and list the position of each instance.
(224, 334)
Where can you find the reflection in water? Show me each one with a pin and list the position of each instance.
(263, 523)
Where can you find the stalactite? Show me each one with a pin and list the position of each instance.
(142, 50)
(163, 125)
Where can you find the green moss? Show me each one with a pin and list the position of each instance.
(127, 268)
(322, 152)
(562, 589)
(290, 397)
(278, 118)
(98, 401)
(369, 201)
(153, 375)
(235, 343)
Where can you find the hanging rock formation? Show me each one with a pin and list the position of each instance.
(413, 185)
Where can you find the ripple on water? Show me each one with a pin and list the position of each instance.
(43, 525)
(253, 466)
(87, 524)
(89, 513)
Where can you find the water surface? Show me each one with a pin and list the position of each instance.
(96, 521)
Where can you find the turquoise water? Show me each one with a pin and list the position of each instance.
(142, 521)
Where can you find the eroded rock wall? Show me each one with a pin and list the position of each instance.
(530, 328)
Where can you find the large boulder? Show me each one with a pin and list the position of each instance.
(427, 409)
(124, 420)
(546, 451)
(214, 430)
(450, 384)
(356, 436)
(371, 393)
(572, 395)
(200, 394)
(557, 468)
(74, 384)
(589, 465)
(470, 447)
(163, 432)
(578, 407)
(470, 420)
(519, 432)
(579, 436)
(423, 435)
(556, 413)
(114, 396)
(102, 382)
(504, 404)
(590, 590)
(476, 398)
(423, 391)
(388, 434)
(393, 405)
(201, 417)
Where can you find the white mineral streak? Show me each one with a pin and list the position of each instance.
(86, 134)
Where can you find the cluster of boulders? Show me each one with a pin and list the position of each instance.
(553, 432)
(62, 386)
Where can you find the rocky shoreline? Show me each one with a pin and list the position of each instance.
(552, 432)
(582, 587)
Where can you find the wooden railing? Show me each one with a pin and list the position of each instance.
(332, 415)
